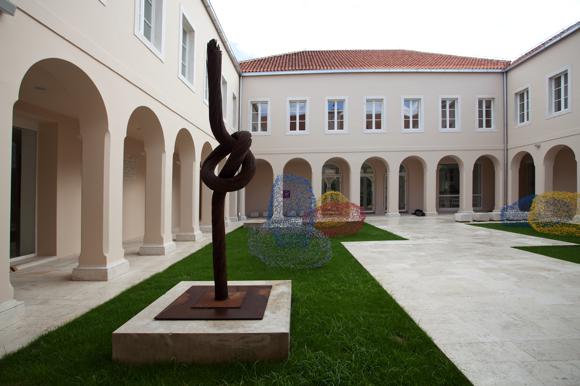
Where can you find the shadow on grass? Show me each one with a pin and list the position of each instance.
(345, 329)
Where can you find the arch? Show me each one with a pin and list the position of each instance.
(143, 182)
(183, 185)
(60, 130)
(204, 193)
(486, 187)
(560, 169)
(523, 175)
(412, 185)
(259, 188)
(380, 170)
(298, 167)
(336, 175)
(448, 184)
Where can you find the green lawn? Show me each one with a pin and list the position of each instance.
(569, 253)
(345, 330)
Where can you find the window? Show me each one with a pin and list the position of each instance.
(335, 109)
(523, 106)
(374, 113)
(297, 116)
(234, 111)
(149, 23)
(186, 52)
(412, 114)
(206, 85)
(449, 114)
(485, 113)
(259, 117)
(224, 98)
(559, 92)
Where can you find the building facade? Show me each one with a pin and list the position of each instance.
(104, 129)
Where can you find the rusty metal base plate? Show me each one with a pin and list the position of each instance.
(197, 303)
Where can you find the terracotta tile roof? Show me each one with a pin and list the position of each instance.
(368, 60)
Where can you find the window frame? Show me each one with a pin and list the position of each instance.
(139, 33)
(550, 113)
(457, 127)
(383, 116)
(205, 81)
(306, 118)
(268, 123)
(517, 106)
(224, 98)
(191, 84)
(493, 112)
(345, 116)
(421, 127)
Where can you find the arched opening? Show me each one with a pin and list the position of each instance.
(143, 183)
(373, 185)
(524, 176)
(299, 167)
(411, 184)
(336, 176)
(59, 142)
(484, 184)
(183, 185)
(258, 190)
(448, 185)
(560, 169)
(204, 194)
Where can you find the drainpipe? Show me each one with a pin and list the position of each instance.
(505, 139)
(241, 216)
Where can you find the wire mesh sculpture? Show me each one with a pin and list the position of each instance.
(554, 212)
(288, 238)
(336, 216)
(236, 147)
(516, 213)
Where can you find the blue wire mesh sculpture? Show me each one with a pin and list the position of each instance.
(516, 213)
(288, 238)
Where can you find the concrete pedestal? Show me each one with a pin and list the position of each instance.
(156, 250)
(145, 340)
(481, 216)
(463, 216)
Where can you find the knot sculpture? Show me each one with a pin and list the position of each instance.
(237, 147)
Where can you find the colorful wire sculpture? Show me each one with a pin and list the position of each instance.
(554, 213)
(335, 216)
(516, 213)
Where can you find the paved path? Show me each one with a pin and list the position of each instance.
(51, 299)
(504, 316)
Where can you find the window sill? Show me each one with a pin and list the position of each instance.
(491, 130)
(186, 82)
(441, 130)
(412, 131)
(559, 113)
(527, 123)
(374, 131)
(336, 132)
(259, 133)
(298, 133)
(151, 47)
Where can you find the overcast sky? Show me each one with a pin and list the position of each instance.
(502, 29)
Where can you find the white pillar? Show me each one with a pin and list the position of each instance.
(430, 181)
(187, 198)
(393, 193)
(499, 188)
(316, 179)
(196, 197)
(465, 212)
(354, 191)
(540, 174)
(10, 309)
(242, 204)
(102, 255)
(157, 239)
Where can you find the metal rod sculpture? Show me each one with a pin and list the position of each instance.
(237, 146)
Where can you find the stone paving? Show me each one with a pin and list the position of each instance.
(502, 315)
(51, 299)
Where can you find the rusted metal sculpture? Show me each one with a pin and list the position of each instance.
(237, 147)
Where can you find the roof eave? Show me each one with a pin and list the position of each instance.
(375, 70)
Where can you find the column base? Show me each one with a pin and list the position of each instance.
(11, 311)
(431, 214)
(156, 249)
(463, 216)
(482, 216)
(389, 214)
(205, 228)
(99, 272)
(242, 218)
(496, 216)
(193, 236)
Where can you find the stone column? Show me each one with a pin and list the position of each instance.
(393, 186)
(465, 212)
(540, 174)
(102, 255)
(577, 217)
(242, 204)
(186, 198)
(157, 203)
(196, 198)
(354, 183)
(430, 181)
(316, 179)
(10, 309)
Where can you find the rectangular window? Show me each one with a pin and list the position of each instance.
(412, 113)
(224, 98)
(234, 111)
(297, 118)
(449, 113)
(374, 114)
(485, 113)
(259, 117)
(559, 92)
(335, 109)
(523, 106)
(187, 47)
(149, 23)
